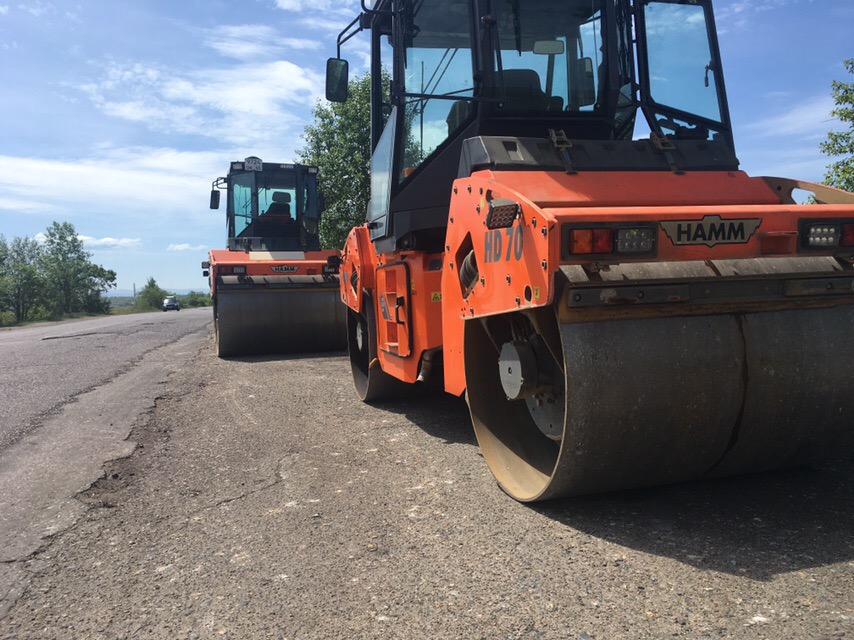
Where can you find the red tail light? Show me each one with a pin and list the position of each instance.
(229, 269)
(586, 241)
(615, 239)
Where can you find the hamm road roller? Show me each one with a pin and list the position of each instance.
(558, 230)
(273, 289)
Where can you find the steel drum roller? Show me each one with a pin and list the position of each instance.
(279, 321)
(670, 399)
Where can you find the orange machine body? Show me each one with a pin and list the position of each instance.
(267, 267)
(421, 304)
(406, 291)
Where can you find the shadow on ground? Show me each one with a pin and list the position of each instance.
(438, 414)
(274, 357)
(756, 526)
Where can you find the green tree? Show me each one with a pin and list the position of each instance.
(4, 276)
(98, 280)
(64, 263)
(840, 174)
(73, 282)
(24, 280)
(150, 296)
(339, 144)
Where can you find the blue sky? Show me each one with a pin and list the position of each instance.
(118, 115)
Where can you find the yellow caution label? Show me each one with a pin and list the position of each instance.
(536, 293)
(436, 296)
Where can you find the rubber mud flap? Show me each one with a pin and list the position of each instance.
(799, 405)
(280, 321)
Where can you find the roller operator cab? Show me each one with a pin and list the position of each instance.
(558, 229)
(274, 290)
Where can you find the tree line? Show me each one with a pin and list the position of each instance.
(50, 279)
(54, 277)
(151, 297)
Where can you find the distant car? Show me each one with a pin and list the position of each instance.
(171, 302)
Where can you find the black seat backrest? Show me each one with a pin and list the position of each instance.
(524, 91)
(281, 205)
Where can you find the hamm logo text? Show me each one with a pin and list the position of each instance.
(711, 230)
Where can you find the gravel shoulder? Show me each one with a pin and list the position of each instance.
(263, 500)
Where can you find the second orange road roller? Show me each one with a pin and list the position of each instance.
(559, 231)
(274, 290)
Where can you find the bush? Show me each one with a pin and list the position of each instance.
(195, 299)
(150, 297)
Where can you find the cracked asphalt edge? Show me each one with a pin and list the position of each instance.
(45, 472)
(38, 420)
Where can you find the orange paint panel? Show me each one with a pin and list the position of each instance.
(405, 290)
(394, 324)
(634, 188)
(259, 265)
(358, 267)
(515, 266)
(418, 319)
(769, 221)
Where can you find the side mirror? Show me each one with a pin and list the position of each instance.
(214, 199)
(585, 90)
(337, 71)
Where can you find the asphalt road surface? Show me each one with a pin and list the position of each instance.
(71, 393)
(257, 498)
(43, 366)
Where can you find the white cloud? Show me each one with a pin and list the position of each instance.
(254, 42)
(4, 9)
(328, 24)
(740, 14)
(804, 162)
(37, 8)
(136, 187)
(98, 243)
(109, 243)
(320, 6)
(186, 247)
(330, 16)
(248, 104)
(23, 205)
(808, 119)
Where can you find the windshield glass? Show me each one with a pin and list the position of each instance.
(270, 203)
(681, 67)
(241, 201)
(683, 92)
(550, 55)
(277, 193)
(438, 62)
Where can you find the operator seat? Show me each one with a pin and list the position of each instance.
(523, 91)
(281, 206)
